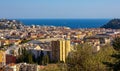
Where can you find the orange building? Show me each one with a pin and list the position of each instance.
(2, 58)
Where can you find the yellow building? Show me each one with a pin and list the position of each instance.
(18, 42)
(89, 34)
(60, 50)
(6, 42)
(2, 58)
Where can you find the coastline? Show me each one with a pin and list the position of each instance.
(72, 23)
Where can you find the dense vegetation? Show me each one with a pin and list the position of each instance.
(116, 65)
(29, 57)
(25, 41)
(113, 24)
(85, 60)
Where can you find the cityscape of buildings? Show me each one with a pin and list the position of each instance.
(55, 42)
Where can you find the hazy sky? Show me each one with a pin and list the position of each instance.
(59, 8)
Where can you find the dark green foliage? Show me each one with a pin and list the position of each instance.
(41, 55)
(116, 44)
(113, 24)
(24, 41)
(4, 46)
(116, 65)
(28, 57)
(85, 60)
(45, 60)
(1, 47)
(48, 53)
(25, 56)
(40, 58)
(34, 59)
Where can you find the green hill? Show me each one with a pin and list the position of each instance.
(113, 24)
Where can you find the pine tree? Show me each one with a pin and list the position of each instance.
(83, 59)
(41, 58)
(45, 60)
(30, 59)
(116, 65)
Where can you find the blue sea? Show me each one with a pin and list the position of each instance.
(72, 23)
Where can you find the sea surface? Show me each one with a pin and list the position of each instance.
(72, 23)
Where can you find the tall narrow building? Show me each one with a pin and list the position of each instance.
(2, 58)
(67, 46)
(60, 49)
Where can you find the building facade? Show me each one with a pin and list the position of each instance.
(60, 50)
(10, 59)
(2, 58)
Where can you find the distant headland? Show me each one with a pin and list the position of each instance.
(113, 24)
(10, 24)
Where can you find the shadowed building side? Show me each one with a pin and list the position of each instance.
(60, 50)
(55, 51)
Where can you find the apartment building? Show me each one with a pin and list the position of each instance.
(60, 50)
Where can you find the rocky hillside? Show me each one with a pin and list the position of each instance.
(113, 24)
(10, 24)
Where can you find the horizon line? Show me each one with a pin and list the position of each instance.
(59, 18)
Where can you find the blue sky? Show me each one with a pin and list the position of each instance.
(59, 8)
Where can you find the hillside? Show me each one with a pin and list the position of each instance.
(10, 24)
(113, 24)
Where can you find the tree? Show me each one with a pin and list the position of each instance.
(48, 53)
(26, 56)
(39, 58)
(116, 65)
(30, 59)
(34, 59)
(83, 59)
(116, 44)
(45, 60)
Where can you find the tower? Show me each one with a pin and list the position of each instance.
(60, 49)
(67, 46)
